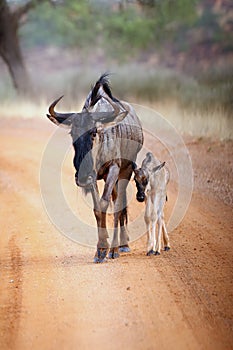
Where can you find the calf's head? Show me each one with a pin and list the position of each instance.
(141, 179)
(83, 131)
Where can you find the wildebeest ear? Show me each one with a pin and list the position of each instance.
(59, 118)
(120, 117)
(160, 166)
(109, 119)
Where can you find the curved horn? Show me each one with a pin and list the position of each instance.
(51, 107)
(59, 118)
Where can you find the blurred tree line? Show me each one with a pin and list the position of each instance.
(127, 24)
(123, 29)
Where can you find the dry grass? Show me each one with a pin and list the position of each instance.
(200, 106)
(214, 124)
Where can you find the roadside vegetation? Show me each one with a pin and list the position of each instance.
(176, 53)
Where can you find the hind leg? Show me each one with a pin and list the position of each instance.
(147, 218)
(123, 218)
(120, 216)
(114, 250)
(165, 237)
(124, 237)
(159, 238)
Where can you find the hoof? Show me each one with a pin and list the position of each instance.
(167, 249)
(151, 252)
(99, 261)
(113, 254)
(100, 255)
(124, 249)
(157, 253)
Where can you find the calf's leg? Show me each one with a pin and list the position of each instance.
(165, 237)
(154, 220)
(147, 219)
(159, 238)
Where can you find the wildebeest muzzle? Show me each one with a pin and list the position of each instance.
(84, 182)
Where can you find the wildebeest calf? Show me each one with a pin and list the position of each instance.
(151, 181)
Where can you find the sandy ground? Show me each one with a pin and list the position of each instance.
(52, 296)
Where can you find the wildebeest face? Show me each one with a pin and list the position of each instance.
(141, 181)
(83, 132)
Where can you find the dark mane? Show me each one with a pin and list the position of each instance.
(104, 82)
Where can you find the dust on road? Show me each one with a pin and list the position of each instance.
(53, 296)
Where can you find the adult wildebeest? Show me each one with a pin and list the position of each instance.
(107, 135)
(151, 181)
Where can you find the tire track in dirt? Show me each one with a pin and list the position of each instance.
(11, 294)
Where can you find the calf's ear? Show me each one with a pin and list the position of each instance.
(134, 166)
(160, 166)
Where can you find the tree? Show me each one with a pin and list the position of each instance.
(10, 51)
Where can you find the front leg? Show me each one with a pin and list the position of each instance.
(102, 245)
(100, 213)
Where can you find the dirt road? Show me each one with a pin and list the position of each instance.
(52, 296)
